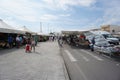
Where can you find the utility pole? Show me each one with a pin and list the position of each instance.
(41, 27)
(48, 28)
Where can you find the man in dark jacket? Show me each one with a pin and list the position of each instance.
(93, 43)
(10, 41)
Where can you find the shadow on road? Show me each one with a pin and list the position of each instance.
(116, 58)
(38, 53)
(79, 47)
(7, 51)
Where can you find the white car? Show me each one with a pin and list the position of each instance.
(102, 35)
(105, 47)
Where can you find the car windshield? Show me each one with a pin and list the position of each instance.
(108, 36)
(103, 43)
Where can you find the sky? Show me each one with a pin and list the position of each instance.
(57, 15)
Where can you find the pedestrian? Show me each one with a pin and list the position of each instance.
(93, 43)
(10, 41)
(35, 39)
(53, 38)
(33, 44)
(21, 40)
(17, 41)
(60, 41)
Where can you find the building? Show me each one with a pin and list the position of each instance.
(113, 29)
(97, 29)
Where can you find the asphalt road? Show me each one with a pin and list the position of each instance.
(83, 64)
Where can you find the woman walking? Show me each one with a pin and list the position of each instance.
(33, 44)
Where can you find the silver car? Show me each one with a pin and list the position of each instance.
(105, 47)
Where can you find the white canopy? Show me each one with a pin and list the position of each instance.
(26, 30)
(42, 34)
(5, 28)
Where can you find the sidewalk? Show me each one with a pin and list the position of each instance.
(45, 63)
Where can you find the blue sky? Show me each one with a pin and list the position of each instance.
(57, 15)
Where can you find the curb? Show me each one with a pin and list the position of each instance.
(65, 72)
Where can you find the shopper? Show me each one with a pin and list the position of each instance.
(33, 44)
(60, 41)
(35, 39)
(10, 41)
(21, 40)
(93, 43)
(17, 41)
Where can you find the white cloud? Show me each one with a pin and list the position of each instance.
(65, 15)
(26, 10)
(86, 3)
(28, 18)
(10, 21)
(112, 13)
(34, 11)
(65, 4)
(48, 17)
(17, 7)
(21, 9)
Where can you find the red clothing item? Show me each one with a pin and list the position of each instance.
(27, 48)
(82, 36)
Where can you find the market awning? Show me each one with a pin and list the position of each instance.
(72, 32)
(5, 28)
(42, 34)
(26, 30)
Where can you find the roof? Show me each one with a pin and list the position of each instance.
(99, 32)
(5, 28)
(26, 30)
(73, 32)
(44, 34)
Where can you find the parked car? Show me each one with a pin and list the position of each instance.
(107, 48)
(111, 39)
(117, 36)
(102, 35)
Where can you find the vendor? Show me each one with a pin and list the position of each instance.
(10, 41)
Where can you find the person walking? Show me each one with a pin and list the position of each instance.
(17, 41)
(10, 41)
(60, 41)
(35, 39)
(21, 40)
(93, 43)
(33, 44)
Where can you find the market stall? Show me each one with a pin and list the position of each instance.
(42, 37)
(6, 31)
(76, 38)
